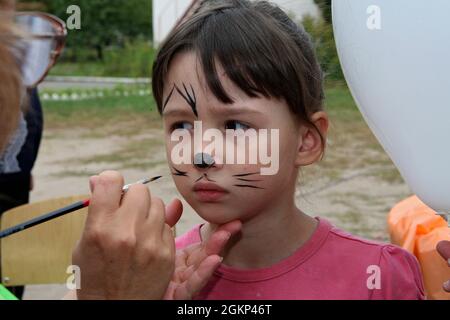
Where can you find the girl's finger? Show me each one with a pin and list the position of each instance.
(232, 227)
(198, 279)
(213, 246)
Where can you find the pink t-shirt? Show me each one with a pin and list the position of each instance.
(332, 264)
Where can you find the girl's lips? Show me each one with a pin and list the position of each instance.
(207, 191)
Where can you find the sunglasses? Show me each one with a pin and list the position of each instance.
(42, 41)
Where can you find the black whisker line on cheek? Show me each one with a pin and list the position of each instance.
(168, 98)
(245, 174)
(248, 180)
(247, 186)
(179, 172)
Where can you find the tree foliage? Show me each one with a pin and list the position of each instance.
(325, 7)
(105, 22)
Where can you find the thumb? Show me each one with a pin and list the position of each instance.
(173, 212)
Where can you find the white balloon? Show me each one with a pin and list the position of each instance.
(396, 59)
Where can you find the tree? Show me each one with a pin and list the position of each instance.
(105, 22)
(325, 7)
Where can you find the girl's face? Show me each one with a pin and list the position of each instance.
(246, 192)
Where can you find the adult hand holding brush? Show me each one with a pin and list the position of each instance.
(127, 249)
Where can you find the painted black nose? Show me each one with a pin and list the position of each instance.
(203, 160)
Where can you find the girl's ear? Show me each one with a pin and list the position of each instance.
(310, 147)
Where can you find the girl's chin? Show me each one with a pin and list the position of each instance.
(217, 216)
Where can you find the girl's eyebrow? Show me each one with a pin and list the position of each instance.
(177, 112)
(237, 111)
(189, 97)
(225, 111)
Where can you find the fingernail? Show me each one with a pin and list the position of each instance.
(447, 285)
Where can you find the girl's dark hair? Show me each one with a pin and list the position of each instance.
(261, 49)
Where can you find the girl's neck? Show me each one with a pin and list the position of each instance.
(269, 237)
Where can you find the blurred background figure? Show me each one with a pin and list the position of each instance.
(30, 45)
(10, 89)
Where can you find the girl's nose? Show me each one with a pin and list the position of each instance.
(203, 160)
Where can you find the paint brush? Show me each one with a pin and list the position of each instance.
(60, 212)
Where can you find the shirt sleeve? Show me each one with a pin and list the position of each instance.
(401, 277)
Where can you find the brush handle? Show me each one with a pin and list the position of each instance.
(57, 213)
(46, 217)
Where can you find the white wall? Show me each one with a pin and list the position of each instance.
(167, 12)
(299, 8)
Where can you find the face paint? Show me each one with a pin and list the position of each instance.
(189, 97)
(168, 98)
(191, 100)
(246, 180)
(179, 173)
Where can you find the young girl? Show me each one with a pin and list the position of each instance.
(241, 65)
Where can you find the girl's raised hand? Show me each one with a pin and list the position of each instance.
(195, 264)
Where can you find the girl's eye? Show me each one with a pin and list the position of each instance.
(182, 125)
(235, 125)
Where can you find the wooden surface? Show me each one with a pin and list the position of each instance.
(41, 254)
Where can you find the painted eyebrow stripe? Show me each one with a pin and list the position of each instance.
(245, 174)
(188, 98)
(193, 99)
(168, 98)
(193, 93)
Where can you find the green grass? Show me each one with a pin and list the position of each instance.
(85, 69)
(132, 60)
(99, 111)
